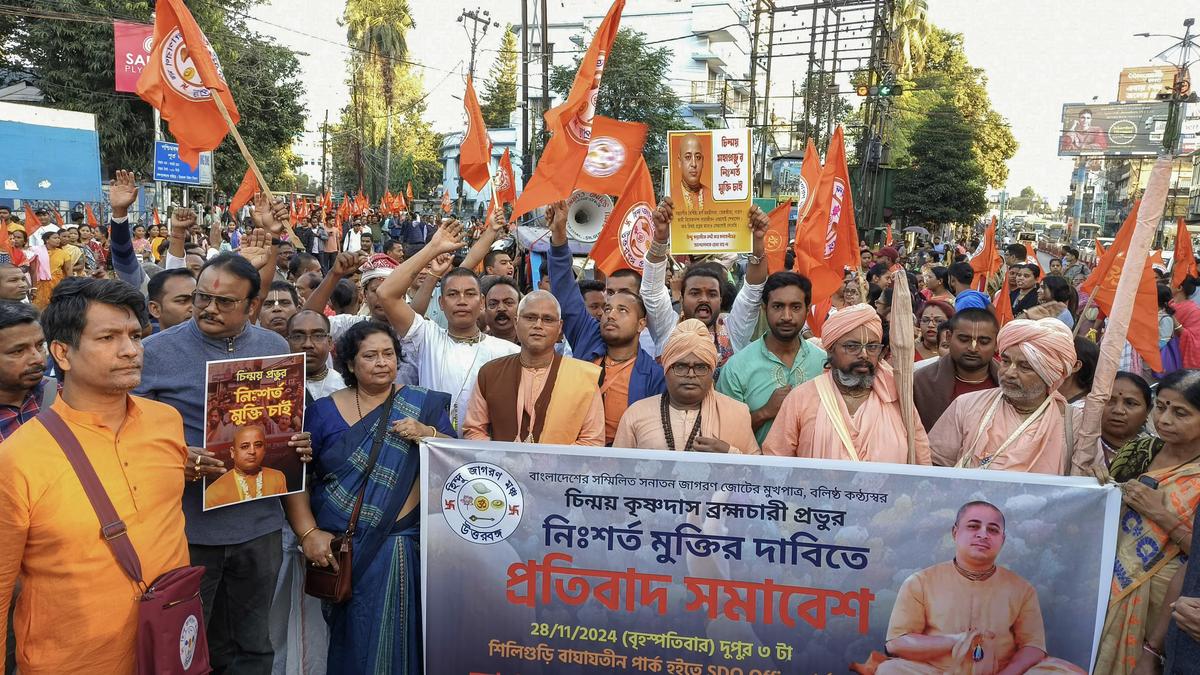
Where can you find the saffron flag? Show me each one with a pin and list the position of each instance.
(400, 203)
(809, 251)
(409, 191)
(90, 215)
(830, 220)
(180, 80)
(58, 218)
(1102, 284)
(157, 219)
(570, 124)
(504, 182)
(611, 155)
(245, 191)
(810, 177)
(629, 229)
(1183, 265)
(446, 205)
(888, 240)
(32, 222)
(1003, 306)
(475, 154)
(987, 262)
(775, 243)
(388, 203)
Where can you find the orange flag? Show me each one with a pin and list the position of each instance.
(245, 191)
(629, 229)
(1099, 249)
(475, 154)
(446, 205)
(57, 218)
(504, 182)
(1156, 259)
(809, 247)
(409, 191)
(157, 219)
(32, 222)
(775, 243)
(179, 81)
(571, 124)
(388, 203)
(400, 203)
(1184, 261)
(1102, 284)
(1004, 312)
(987, 262)
(90, 215)
(832, 211)
(888, 240)
(611, 154)
(810, 177)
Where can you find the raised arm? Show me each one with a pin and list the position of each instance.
(579, 327)
(392, 291)
(743, 316)
(343, 266)
(661, 317)
(438, 269)
(121, 195)
(495, 227)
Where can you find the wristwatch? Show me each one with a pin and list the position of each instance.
(754, 259)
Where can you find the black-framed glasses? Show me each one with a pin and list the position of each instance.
(200, 300)
(855, 348)
(685, 369)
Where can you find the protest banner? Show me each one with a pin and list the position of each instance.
(709, 178)
(550, 559)
(251, 409)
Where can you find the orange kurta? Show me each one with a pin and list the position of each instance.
(77, 611)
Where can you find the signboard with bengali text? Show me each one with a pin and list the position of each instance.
(550, 559)
(710, 179)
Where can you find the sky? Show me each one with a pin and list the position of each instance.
(1038, 54)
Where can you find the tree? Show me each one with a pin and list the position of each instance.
(821, 102)
(910, 29)
(500, 90)
(634, 89)
(72, 63)
(944, 183)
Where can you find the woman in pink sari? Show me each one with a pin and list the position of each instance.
(1187, 314)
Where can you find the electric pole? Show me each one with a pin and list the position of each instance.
(1181, 88)
(525, 168)
(324, 151)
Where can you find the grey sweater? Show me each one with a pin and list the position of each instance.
(174, 373)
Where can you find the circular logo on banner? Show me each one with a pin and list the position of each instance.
(773, 242)
(181, 72)
(500, 181)
(148, 44)
(636, 232)
(482, 503)
(187, 641)
(605, 157)
(802, 198)
(1122, 132)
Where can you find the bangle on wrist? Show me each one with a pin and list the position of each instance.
(306, 533)
(660, 248)
(1158, 655)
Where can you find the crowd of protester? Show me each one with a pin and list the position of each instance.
(429, 327)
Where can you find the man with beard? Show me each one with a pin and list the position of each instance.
(690, 160)
(690, 415)
(500, 299)
(308, 332)
(967, 368)
(537, 395)
(1025, 424)
(170, 296)
(701, 291)
(281, 304)
(764, 373)
(852, 411)
(24, 392)
(628, 373)
(448, 359)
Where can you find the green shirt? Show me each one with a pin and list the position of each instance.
(754, 373)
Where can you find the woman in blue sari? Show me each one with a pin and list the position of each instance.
(379, 629)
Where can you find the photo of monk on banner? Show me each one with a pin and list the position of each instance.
(249, 479)
(690, 159)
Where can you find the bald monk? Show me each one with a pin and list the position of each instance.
(690, 158)
(249, 478)
(1022, 424)
(968, 615)
(852, 410)
(700, 419)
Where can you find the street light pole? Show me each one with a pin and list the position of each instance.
(1181, 90)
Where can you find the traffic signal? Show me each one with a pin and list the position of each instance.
(884, 90)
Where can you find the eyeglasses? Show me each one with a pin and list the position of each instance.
(855, 348)
(201, 300)
(929, 321)
(301, 338)
(685, 369)
(539, 318)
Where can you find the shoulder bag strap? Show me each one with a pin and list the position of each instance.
(112, 528)
(380, 432)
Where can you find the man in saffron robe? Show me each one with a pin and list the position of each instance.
(698, 418)
(969, 614)
(852, 411)
(537, 396)
(1023, 425)
(249, 478)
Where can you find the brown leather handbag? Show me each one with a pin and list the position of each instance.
(324, 582)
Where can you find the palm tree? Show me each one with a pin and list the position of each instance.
(378, 30)
(910, 30)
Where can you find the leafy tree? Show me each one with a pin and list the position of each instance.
(820, 104)
(944, 184)
(634, 89)
(72, 63)
(910, 29)
(500, 90)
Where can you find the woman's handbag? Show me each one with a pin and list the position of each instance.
(170, 626)
(327, 583)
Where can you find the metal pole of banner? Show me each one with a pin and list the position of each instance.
(158, 185)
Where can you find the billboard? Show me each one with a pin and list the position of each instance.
(49, 154)
(1144, 83)
(1112, 129)
(132, 43)
(168, 167)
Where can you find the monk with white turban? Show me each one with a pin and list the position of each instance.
(1019, 426)
(691, 415)
(852, 411)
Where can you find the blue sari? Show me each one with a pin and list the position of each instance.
(379, 629)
